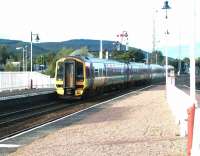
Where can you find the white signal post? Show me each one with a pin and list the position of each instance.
(123, 40)
(153, 38)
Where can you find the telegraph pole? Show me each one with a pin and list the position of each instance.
(154, 36)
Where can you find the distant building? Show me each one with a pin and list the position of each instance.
(39, 67)
(16, 65)
(12, 65)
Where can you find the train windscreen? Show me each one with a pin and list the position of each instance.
(60, 70)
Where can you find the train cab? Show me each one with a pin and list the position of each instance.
(70, 77)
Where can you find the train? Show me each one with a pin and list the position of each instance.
(80, 76)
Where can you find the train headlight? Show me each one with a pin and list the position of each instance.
(78, 92)
(59, 85)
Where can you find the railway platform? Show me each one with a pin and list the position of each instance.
(22, 93)
(139, 123)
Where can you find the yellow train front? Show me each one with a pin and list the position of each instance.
(70, 77)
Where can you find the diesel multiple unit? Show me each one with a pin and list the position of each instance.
(82, 76)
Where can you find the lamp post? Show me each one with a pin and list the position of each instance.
(37, 39)
(154, 35)
(23, 50)
(26, 53)
(166, 7)
(101, 50)
(42, 62)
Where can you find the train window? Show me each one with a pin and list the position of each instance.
(92, 71)
(100, 72)
(104, 71)
(79, 71)
(60, 71)
(87, 72)
(96, 72)
(110, 73)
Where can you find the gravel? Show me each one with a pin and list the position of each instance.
(139, 125)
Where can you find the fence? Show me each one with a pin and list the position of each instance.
(24, 80)
(179, 102)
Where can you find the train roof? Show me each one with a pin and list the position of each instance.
(169, 66)
(92, 60)
(97, 60)
(156, 66)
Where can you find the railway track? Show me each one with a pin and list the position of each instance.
(16, 116)
(17, 121)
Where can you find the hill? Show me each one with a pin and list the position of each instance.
(92, 45)
(44, 47)
(13, 44)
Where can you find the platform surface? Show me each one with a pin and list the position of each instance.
(139, 124)
(14, 94)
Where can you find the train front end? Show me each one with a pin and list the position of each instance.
(70, 77)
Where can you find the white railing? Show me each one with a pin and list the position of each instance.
(179, 102)
(24, 80)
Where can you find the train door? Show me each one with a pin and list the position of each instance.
(69, 74)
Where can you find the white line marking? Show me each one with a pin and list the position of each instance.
(48, 123)
(9, 146)
(186, 86)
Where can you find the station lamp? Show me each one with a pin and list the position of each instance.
(166, 7)
(37, 40)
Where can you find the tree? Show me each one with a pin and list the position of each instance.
(197, 64)
(4, 55)
(10, 67)
(186, 60)
(81, 52)
(51, 68)
(138, 55)
(160, 57)
(186, 64)
(133, 54)
(197, 61)
(174, 63)
(64, 52)
(49, 57)
(53, 58)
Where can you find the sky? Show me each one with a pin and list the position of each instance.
(61, 20)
